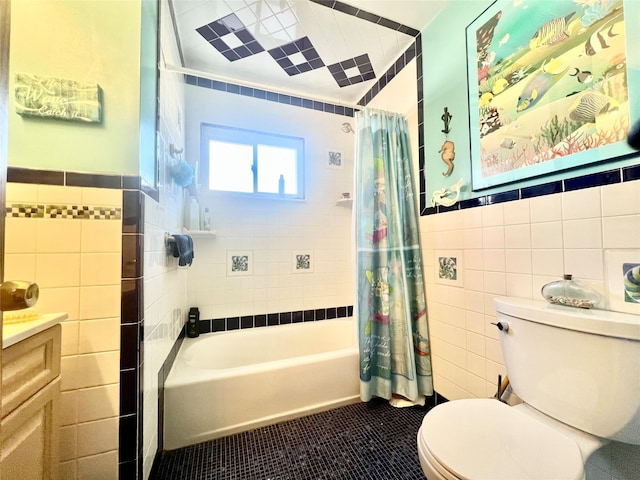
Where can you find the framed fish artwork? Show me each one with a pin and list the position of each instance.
(550, 86)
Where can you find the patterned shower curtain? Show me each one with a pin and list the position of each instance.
(392, 318)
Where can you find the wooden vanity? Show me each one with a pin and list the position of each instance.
(29, 443)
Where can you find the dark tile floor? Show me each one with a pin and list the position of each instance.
(365, 441)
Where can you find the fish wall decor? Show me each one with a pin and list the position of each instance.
(448, 154)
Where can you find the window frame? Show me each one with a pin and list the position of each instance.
(243, 136)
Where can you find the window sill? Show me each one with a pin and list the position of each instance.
(200, 233)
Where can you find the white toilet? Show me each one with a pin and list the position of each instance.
(578, 375)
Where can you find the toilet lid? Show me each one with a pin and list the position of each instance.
(484, 439)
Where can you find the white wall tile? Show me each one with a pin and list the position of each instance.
(517, 212)
(493, 215)
(519, 285)
(585, 233)
(21, 192)
(61, 195)
(493, 237)
(69, 343)
(68, 442)
(494, 259)
(621, 232)
(585, 203)
(98, 403)
(546, 235)
(547, 208)
(82, 371)
(621, 199)
(495, 283)
(58, 235)
(100, 302)
(584, 263)
(68, 408)
(58, 270)
(57, 300)
(19, 266)
(99, 335)
(21, 235)
(472, 238)
(101, 236)
(100, 269)
(517, 236)
(518, 260)
(102, 197)
(98, 436)
(548, 262)
(103, 466)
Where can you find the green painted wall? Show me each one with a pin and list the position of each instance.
(445, 85)
(90, 40)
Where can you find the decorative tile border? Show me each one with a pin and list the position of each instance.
(271, 319)
(610, 177)
(75, 212)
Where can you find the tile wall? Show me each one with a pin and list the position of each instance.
(513, 249)
(72, 249)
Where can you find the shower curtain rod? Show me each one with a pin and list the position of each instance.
(198, 73)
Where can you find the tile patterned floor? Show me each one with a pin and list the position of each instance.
(365, 441)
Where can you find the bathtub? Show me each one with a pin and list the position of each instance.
(228, 382)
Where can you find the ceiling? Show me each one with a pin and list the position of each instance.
(325, 50)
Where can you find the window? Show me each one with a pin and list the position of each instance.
(247, 161)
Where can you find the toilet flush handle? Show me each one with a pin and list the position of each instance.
(502, 326)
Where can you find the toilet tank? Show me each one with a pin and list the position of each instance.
(581, 367)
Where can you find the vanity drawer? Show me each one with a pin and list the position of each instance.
(28, 366)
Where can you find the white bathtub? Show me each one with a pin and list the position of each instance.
(229, 382)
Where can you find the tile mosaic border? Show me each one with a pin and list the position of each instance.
(74, 212)
(272, 319)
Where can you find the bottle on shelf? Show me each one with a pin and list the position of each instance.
(206, 220)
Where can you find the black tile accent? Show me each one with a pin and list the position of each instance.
(28, 175)
(321, 314)
(473, 202)
(332, 313)
(76, 179)
(503, 197)
(260, 320)
(218, 325)
(285, 317)
(132, 255)
(302, 45)
(129, 342)
(204, 326)
(215, 32)
(296, 317)
(246, 322)
(128, 469)
(128, 434)
(451, 208)
(539, 190)
(132, 211)
(309, 315)
(131, 182)
(342, 312)
(131, 300)
(631, 173)
(363, 64)
(129, 386)
(592, 180)
(273, 319)
(350, 311)
(233, 323)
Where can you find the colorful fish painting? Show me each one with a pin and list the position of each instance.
(551, 82)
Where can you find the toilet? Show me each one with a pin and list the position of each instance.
(577, 373)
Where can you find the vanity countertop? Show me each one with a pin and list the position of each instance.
(15, 332)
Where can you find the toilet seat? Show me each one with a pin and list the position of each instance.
(483, 439)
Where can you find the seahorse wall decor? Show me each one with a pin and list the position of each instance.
(448, 154)
(444, 196)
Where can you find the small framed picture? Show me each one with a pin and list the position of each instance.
(448, 267)
(334, 159)
(623, 280)
(302, 261)
(239, 262)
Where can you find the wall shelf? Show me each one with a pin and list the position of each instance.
(345, 202)
(200, 233)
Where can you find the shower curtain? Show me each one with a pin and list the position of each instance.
(391, 307)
